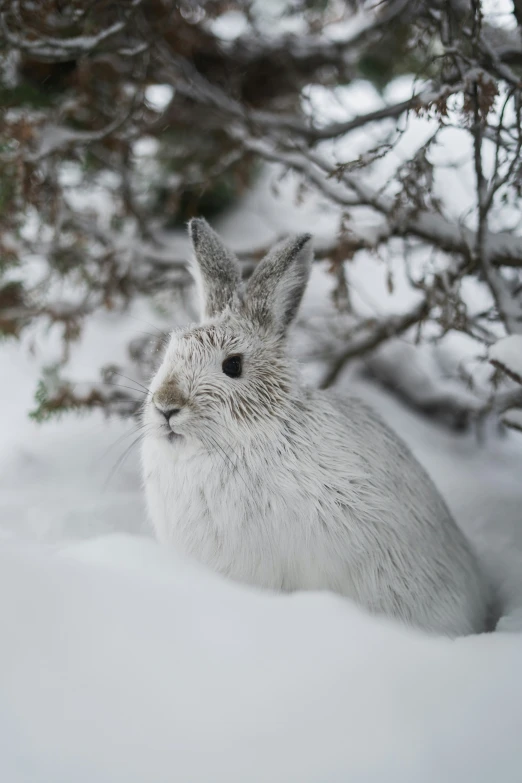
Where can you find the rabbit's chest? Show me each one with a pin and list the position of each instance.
(236, 520)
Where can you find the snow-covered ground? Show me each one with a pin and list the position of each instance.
(156, 671)
(121, 662)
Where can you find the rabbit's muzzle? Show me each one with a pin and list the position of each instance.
(169, 397)
(168, 413)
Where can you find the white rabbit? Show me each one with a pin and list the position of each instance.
(286, 487)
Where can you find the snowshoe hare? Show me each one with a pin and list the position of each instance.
(286, 487)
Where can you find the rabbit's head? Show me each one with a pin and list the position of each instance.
(230, 373)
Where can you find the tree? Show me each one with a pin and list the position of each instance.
(76, 102)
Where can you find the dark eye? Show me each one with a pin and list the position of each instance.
(232, 366)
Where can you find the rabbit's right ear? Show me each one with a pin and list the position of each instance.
(275, 290)
(215, 269)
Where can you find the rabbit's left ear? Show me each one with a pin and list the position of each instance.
(275, 290)
(215, 268)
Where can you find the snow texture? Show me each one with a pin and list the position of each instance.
(144, 668)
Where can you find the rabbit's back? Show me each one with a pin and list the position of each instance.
(407, 556)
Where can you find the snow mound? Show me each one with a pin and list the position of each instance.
(120, 662)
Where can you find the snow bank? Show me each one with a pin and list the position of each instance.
(145, 668)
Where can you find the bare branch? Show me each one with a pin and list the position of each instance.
(49, 49)
(376, 334)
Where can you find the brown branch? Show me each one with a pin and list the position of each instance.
(502, 248)
(507, 306)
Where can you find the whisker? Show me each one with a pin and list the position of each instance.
(218, 436)
(213, 452)
(121, 461)
(162, 340)
(122, 386)
(235, 467)
(237, 464)
(163, 334)
(122, 438)
(133, 380)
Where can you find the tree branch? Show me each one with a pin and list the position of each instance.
(377, 333)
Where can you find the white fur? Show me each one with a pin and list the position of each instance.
(306, 490)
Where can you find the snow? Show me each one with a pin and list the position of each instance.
(229, 25)
(513, 418)
(507, 354)
(153, 670)
(122, 662)
(159, 96)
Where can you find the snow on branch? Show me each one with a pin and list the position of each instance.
(55, 138)
(322, 48)
(251, 130)
(52, 49)
(371, 337)
(105, 170)
(506, 354)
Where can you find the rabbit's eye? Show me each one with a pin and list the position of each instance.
(232, 366)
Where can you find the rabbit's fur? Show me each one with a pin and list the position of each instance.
(285, 487)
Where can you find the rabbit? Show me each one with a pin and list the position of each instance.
(286, 487)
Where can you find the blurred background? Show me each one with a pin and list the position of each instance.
(390, 130)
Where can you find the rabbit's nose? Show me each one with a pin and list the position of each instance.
(167, 412)
(170, 412)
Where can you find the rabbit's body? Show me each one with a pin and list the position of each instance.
(288, 488)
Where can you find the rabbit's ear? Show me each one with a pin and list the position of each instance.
(215, 269)
(275, 290)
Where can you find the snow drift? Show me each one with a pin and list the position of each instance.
(120, 662)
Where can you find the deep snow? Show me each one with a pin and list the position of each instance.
(156, 671)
